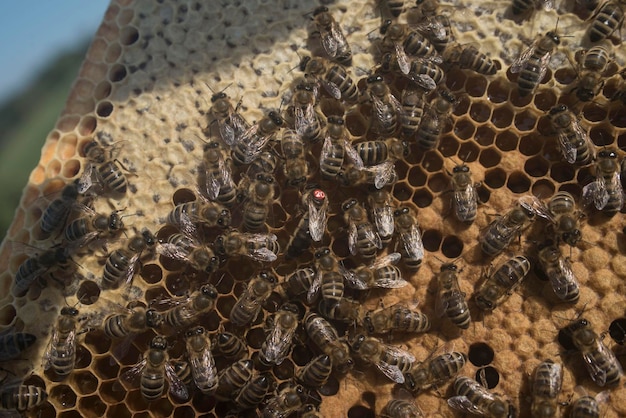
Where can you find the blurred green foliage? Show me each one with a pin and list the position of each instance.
(25, 121)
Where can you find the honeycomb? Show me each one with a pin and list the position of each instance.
(144, 91)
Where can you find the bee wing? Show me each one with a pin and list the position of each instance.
(385, 261)
(177, 387)
(597, 193)
(329, 42)
(402, 58)
(352, 278)
(616, 185)
(597, 373)
(392, 371)
(519, 62)
(130, 272)
(352, 154)
(547, 5)
(462, 403)
(383, 218)
(227, 133)
(567, 147)
(279, 343)
(533, 204)
(315, 287)
(171, 251)
(332, 88)
(318, 217)
(215, 183)
(383, 174)
(134, 372)
(304, 118)
(412, 241)
(86, 180)
(352, 238)
(238, 124)
(564, 280)
(396, 352)
(465, 201)
(327, 149)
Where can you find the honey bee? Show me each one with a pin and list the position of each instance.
(381, 205)
(60, 354)
(605, 191)
(532, 64)
(500, 233)
(376, 152)
(309, 410)
(259, 194)
(394, 7)
(608, 18)
(251, 300)
(201, 360)
(253, 392)
(398, 317)
(287, 401)
(328, 278)
(381, 273)
(332, 77)
(230, 123)
(386, 109)
(451, 300)
(153, 370)
(468, 57)
(325, 337)
(600, 361)
(587, 406)
(186, 246)
(37, 265)
(400, 408)
(296, 167)
(547, 383)
(390, 360)
(229, 345)
(591, 65)
(15, 397)
(565, 218)
(473, 398)
(423, 71)
(259, 247)
(233, 378)
(200, 212)
(316, 372)
(465, 197)
(254, 139)
(336, 147)
(409, 238)
(413, 104)
(307, 122)
(575, 143)
(299, 282)
(400, 40)
(121, 264)
(559, 271)
(434, 120)
(106, 171)
(83, 230)
(279, 340)
(187, 310)
(56, 213)
(362, 238)
(128, 322)
(342, 309)
(379, 176)
(316, 202)
(220, 185)
(526, 7)
(265, 163)
(13, 343)
(434, 372)
(332, 37)
(498, 286)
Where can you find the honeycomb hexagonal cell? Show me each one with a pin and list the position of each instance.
(188, 197)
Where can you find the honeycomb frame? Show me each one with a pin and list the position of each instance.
(145, 89)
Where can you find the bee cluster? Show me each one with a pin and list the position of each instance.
(269, 272)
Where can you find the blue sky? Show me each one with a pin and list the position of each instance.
(34, 31)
